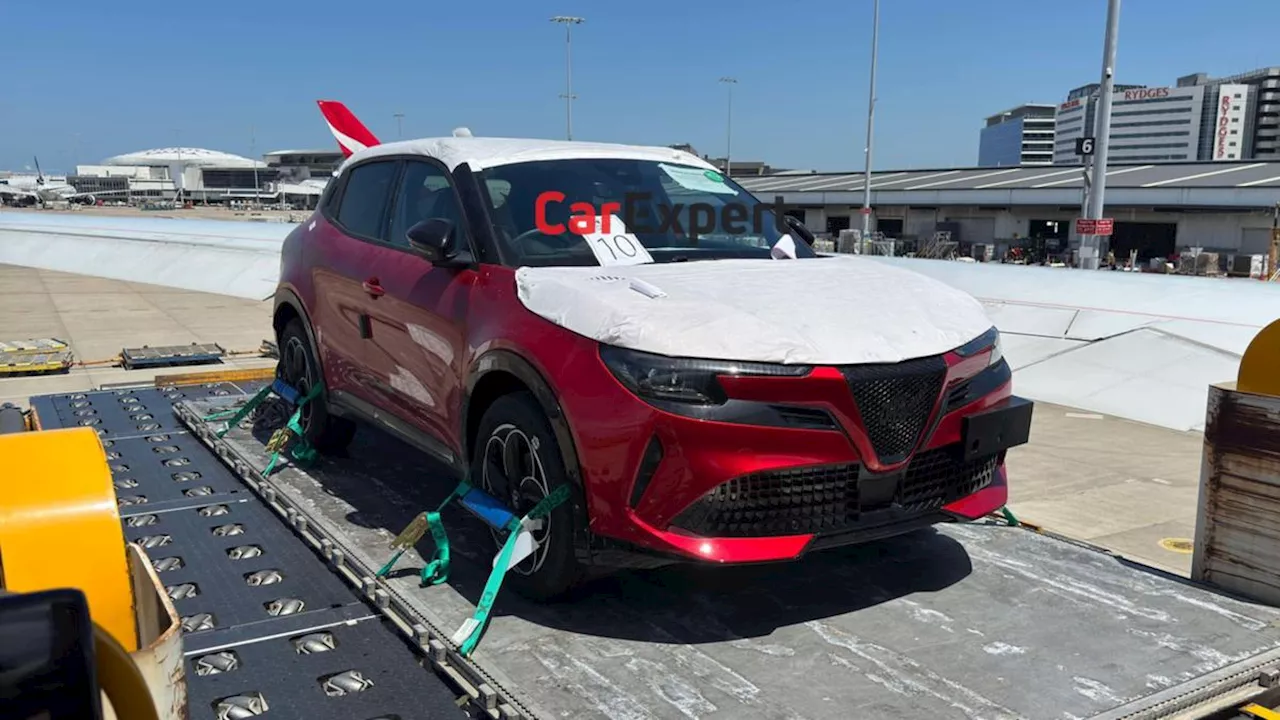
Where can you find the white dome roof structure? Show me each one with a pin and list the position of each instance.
(198, 157)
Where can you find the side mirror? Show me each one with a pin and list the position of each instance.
(434, 240)
(799, 229)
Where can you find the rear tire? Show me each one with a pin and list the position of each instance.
(515, 439)
(327, 433)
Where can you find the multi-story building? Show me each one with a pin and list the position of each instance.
(1018, 136)
(1262, 116)
(1186, 123)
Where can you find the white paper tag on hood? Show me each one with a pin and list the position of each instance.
(784, 249)
(616, 247)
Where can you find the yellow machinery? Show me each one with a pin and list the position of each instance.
(1260, 367)
(60, 528)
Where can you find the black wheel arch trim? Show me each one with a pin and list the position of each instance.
(285, 296)
(510, 362)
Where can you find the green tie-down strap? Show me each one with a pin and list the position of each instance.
(436, 570)
(1009, 517)
(301, 450)
(233, 417)
(468, 635)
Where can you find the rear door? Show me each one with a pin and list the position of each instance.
(418, 340)
(345, 250)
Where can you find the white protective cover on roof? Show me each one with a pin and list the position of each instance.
(487, 152)
(834, 311)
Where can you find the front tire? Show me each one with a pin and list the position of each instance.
(517, 460)
(326, 433)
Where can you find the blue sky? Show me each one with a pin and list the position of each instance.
(91, 79)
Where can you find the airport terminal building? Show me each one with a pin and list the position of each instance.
(210, 176)
(1159, 209)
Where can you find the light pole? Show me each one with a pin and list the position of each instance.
(399, 125)
(871, 116)
(568, 21)
(728, 128)
(1102, 134)
(177, 182)
(253, 155)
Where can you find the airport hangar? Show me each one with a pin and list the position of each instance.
(1159, 209)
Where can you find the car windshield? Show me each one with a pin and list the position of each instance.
(542, 213)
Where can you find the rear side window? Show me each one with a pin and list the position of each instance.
(364, 199)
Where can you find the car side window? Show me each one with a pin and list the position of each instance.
(364, 199)
(426, 192)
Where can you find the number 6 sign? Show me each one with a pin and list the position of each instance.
(617, 247)
(1084, 146)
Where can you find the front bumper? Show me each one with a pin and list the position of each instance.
(782, 514)
(739, 492)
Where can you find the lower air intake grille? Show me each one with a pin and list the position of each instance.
(938, 477)
(895, 402)
(825, 499)
(781, 502)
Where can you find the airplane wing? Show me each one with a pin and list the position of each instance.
(11, 194)
(1140, 346)
(1136, 346)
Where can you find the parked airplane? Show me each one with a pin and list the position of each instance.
(27, 190)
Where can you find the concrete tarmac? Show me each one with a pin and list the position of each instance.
(100, 317)
(1118, 484)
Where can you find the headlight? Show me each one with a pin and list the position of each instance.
(989, 340)
(682, 380)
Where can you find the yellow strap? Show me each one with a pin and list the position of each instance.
(1258, 711)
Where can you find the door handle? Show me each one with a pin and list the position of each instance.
(373, 287)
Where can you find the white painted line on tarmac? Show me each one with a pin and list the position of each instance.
(1085, 416)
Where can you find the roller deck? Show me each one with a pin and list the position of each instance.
(958, 621)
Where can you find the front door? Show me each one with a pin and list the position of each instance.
(417, 343)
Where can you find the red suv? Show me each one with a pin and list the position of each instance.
(722, 401)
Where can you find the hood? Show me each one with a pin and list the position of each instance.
(839, 310)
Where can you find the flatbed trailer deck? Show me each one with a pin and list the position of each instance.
(963, 621)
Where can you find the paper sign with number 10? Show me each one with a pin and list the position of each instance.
(616, 247)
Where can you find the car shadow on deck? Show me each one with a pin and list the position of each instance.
(388, 483)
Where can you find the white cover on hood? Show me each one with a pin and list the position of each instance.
(831, 311)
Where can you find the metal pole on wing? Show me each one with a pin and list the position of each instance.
(568, 21)
(1102, 133)
(728, 129)
(871, 116)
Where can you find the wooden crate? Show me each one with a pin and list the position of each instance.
(1237, 544)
